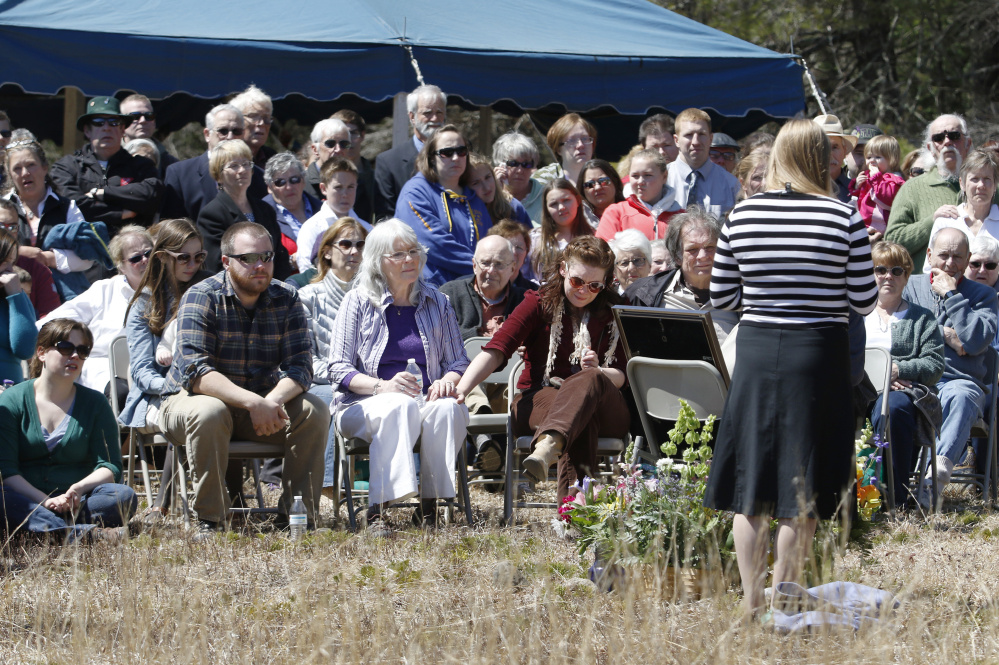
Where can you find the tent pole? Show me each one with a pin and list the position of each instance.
(485, 130)
(400, 120)
(73, 105)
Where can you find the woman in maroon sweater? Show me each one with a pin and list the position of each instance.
(574, 364)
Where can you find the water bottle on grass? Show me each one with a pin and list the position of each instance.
(298, 519)
(414, 369)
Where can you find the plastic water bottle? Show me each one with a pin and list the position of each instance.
(414, 369)
(298, 519)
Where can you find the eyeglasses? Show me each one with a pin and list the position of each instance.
(138, 257)
(513, 163)
(186, 258)
(67, 349)
(252, 258)
(989, 265)
(140, 116)
(593, 287)
(399, 257)
(6, 133)
(717, 154)
(572, 143)
(603, 181)
(239, 166)
(493, 265)
(451, 153)
(896, 271)
(347, 245)
(255, 119)
(333, 143)
(953, 136)
(293, 180)
(637, 262)
(110, 122)
(228, 131)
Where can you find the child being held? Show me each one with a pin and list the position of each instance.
(876, 188)
(167, 345)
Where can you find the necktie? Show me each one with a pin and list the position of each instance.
(693, 180)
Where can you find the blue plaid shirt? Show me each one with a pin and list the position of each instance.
(253, 349)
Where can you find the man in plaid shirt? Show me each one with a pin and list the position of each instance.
(242, 370)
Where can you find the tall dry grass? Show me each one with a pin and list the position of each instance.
(421, 597)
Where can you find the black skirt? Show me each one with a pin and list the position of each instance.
(786, 439)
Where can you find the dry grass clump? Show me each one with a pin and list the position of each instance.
(247, 597)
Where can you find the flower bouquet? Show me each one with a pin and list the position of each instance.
(870, 454)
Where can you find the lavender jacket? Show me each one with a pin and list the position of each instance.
(360, 335)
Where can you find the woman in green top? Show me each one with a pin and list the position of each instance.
(60, 456)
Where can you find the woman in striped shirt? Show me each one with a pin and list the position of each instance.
(795, 260)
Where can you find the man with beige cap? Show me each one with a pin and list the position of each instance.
(842, 144)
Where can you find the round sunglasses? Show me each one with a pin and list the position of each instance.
(592, 287)
(139, 257)
(896, 271)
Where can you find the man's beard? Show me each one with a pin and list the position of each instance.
(426, 130)
(942, 169)
(248, 284)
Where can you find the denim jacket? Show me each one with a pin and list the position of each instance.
(147, 376)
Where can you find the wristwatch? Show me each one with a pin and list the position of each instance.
(950, 294)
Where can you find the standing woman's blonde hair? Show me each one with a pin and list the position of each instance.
(800, 157)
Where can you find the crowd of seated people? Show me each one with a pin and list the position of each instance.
(278, 299)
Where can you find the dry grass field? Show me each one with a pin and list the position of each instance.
(251, 596)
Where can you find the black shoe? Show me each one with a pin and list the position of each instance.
(205, 530)
(425, 515)
(489, 458)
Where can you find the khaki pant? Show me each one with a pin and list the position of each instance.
(206, 425)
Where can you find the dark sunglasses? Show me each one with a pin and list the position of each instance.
(229, 131)
(718, 154)
(138, 257)
(602, 180)
(138, 116)
(347, 245)
(252, 258)
(197, 257)
(68, 348)
(953, 136)
(896, 271)
(451, 153)
(989, 265)
(6, 133)
(593, 287)
(110, 122)
(331, 143)
(511, 163)
(294, 180)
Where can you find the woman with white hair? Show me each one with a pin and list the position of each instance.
(632, 257)
(390, 317)
(515, 158)
(293, 206)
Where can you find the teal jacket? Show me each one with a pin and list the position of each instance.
(17, 335)
(91, 441)
(917, 347)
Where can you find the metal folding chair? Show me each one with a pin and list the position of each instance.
(985, 428)
(486, 423)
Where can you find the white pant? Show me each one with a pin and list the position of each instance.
(392, 422)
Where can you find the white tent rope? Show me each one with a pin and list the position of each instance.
(412, 61)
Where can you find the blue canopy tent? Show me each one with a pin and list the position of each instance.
(628, 55)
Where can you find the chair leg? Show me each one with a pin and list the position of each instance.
(934, 489)
(181, 486)
(345, 462)
(130, 478)
(144, 464)
(255, 470)
(463, 483)
(510, 483)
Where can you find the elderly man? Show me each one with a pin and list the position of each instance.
(841, 144)
(257, 109)
(189, 184)
(365, 202)
(724, 151)
(693, 176)
(966, 311)
(481, 302)
(933, 194)
(108, 184)
(690, 240)
(140, 110)
(242, 369)
(329, 138)
(427, 107)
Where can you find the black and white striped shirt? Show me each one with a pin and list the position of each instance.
(793, 260)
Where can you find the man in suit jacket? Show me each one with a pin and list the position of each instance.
(143, 126)
(329, 138)
(427, 113)
(189, 185)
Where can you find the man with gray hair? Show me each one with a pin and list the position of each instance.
(427, 107)
(189, 185)
(933, 194)
(966, 312)
(690, 240)
(330, 137)
(258, 116)
(143, 126)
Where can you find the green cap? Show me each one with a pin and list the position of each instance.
(100, 106)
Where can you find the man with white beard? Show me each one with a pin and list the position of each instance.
(933, 194)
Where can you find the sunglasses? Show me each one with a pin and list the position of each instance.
(110, 122)
(511, 163)
(602, 180)
(717, 154)
(228, 131)
(138, 257)
(953, 136)
(332, 143)
(593, 287)
(197, 257)
(347, 245)
(252, 258)
(293, 180)
(989, 265)
(896, 271)
(68, 348)
(139, 116)
(451, 153)
(6, 133)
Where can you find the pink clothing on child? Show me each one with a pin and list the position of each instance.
(875, 196)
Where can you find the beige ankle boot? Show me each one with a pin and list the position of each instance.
(546, 452)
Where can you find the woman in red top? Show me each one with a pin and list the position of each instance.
(574, 364)
(651, 204)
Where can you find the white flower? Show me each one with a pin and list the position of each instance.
(664, 465)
